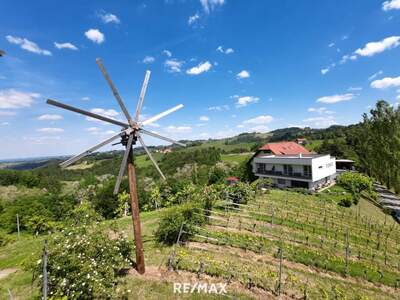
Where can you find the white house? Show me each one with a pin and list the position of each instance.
(311, 171)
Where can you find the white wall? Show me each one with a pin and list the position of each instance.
(322, 167)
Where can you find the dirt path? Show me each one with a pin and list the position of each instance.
(5, 272)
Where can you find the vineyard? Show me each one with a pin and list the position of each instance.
(295, 245)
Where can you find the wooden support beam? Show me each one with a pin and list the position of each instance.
(137, 232)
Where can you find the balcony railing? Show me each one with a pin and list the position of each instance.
(281, 174)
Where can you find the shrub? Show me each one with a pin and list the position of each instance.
(355, 182)
(261, 183)
(346, 201)
(238, 193)
(5, 239)
(83, 263)
(187, 214)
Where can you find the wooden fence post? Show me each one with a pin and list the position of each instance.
(18, 225)
(279, 286)
(347, 253)
(45, 279)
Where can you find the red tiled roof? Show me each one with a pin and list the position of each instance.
(285, 148)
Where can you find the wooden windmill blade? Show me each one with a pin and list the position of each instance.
(142, 94)
(161, 115)
(124, 162)
(114, 90)
(150, 155)
(75, 158)
(156, 135)
(86, 113)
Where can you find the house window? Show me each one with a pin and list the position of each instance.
(281, 181)
(287, 169)
(307, 171)
(260, 168)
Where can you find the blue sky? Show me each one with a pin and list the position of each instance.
(235, 65)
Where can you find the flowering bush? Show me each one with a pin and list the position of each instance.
(239, 193)
(83, 263)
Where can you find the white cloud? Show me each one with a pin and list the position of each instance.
(173, 65)
(324, 71)
(204, 119)
(85, 98)
(320, 110)
(336, 98)
(373, 76)
(148, 59)
(331, 45)
(4, 124)
(209, 5)
(245, 100)
(320, 121)
(95, 36)
(27, 45)
(345, 58)
(193, 18)
(15, 99)
(226, 51)
(178, 129)
(65, 46)
(243, 74)
(354, 88)
(200, 68)
(109, 18)
(167, 53)
(260, 120)
(50, 117)
(5, 113)
(386, 83)
(373, 48)
(93, 129)
(391, 4)
(50, 130)
(41, 140)
(109, 113)
(99, 131)
(219, 107)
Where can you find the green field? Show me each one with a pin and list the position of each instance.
(240, 246)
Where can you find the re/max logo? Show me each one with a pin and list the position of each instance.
(199, 287)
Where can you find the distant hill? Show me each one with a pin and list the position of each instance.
(242, 143)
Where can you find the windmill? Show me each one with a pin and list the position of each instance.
(131, 132)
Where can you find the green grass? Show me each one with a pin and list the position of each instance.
(143, 160)
(235, 158)
(312, 145)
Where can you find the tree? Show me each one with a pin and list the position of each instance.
(377, 143)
